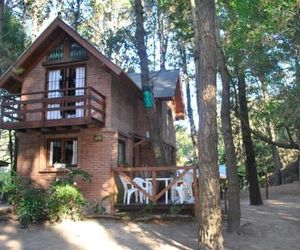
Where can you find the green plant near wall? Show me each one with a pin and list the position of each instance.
(32, 206)
(65, 201)
(149, 209)
(175, 209)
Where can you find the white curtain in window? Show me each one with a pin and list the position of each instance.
(80, 79)
(51, 154)
(79, 83)
(54, 76)
(74, 156)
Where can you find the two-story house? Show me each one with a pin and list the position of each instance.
(73, 107)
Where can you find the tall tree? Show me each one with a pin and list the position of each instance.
(252, 178)
(153, 119)
(189, 100)
(210, 236)
(1, 19)
(234, 209)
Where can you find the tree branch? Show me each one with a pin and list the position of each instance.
(291, 145)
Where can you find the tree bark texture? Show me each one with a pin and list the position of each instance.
(234, 209)
(153, 120)
(251, 172)
(196, 48)
(1, 19)
(210, 236)
(275, 156)
(163, 37)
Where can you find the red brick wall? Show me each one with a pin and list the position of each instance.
(95, 157)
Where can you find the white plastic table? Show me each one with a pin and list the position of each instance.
(166, 180)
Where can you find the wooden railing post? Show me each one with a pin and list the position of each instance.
(89, 106)
(154, 185)
(196, 192)
(113, 198)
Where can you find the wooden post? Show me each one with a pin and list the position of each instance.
(154, 184)
(113, 198)
(89, 106)
(196, 193)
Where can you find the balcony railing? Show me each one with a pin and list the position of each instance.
(53, 108)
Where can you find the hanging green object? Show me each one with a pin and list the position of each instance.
(148, 98)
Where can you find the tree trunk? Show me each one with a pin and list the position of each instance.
(210, 236)
(11, 148)
(14, 166)
(196, 49)
(271, 135)
(163, 38)
(234, 211)
(1, 19)
(188, 102)
(252, 178)
(275, 156)
(153, 120)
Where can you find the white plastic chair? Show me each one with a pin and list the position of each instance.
(143, 184)
(128, 190)
(184, 188)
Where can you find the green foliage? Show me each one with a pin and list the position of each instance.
(13, 188)
(65, 201)
(184, 146)
(61, 200)
(72, 176)
(149, 209)
(175, 209)
(32, 206)
(14, 40)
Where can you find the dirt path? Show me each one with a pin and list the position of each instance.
(276, 225)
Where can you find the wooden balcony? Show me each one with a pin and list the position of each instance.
(52, 109)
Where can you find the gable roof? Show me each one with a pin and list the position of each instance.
(164, 82)
(30, 56)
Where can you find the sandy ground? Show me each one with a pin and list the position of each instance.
(276, 225)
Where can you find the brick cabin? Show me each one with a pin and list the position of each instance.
(73, 107)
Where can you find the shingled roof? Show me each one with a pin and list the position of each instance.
(164, 82)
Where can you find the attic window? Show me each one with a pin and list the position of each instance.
(77, 52)
(56, 54)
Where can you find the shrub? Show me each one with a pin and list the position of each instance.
(65, 201)
(175, 209)
(31, 207)
(13, 186)
(72, 176)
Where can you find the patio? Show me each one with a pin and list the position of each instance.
(161, 186)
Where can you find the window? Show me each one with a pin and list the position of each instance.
(57, 54)
(121, 152)
(62, 152)
(72, 79)
(77, 52)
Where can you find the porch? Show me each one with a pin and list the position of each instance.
(52, 109)
(160, 188)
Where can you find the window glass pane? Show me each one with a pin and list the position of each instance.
(70, 150)
(77, 52)
(56, 155)
(57, 53)
(121, 152)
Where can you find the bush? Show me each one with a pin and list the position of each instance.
(31, 207)
(61, 200)
(65, 201)
(13, 186)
